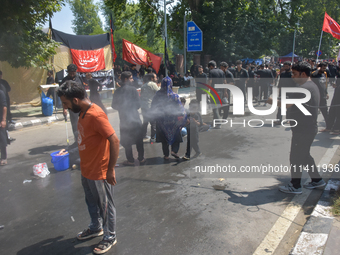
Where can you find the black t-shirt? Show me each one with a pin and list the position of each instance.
(217, 76)
(320, 79)
(76, 79)
(229, 77)
(265, 75)
(240, 76)
(203, 77)
(50, 80)
(5, 84)
(306, 123)
(274, 73)
(232, 70)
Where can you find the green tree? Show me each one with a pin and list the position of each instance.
(22, 42)
(129, 25)
(86, 20)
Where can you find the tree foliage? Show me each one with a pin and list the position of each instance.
(237, 29)
(22, 42)
(86, 20)
(130, 25)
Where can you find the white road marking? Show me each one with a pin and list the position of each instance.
(279, 229)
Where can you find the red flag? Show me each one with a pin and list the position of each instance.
(88, 60)
(331, 26)
(114, 55)
(137, 55)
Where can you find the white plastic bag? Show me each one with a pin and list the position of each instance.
(41, 170)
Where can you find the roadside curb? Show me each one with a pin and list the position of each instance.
(315, 232)
(41, 121)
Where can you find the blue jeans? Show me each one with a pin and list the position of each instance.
(101, 207)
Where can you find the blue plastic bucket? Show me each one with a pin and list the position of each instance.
(61, 163)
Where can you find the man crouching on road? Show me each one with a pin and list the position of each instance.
(98, 149)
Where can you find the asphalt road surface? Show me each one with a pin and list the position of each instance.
(162, 208)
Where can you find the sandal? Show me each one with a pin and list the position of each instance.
(3, 162)
(335, 132)
(104, 245)
(128, 163)
(175, 155)
(325, 130)
(142, 162)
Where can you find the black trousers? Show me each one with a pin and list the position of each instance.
(324, 111)
(300, 157)
(3, 143)
(192, 141)
(140, 150)
(146, 120)
(174, 148)
(279, 114)
(334, 111)
(264, 91)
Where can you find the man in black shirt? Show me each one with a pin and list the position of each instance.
(251, 82)
(50, 80)
(7, 89)
(241, 77)
(334, 110)
(72, 75)
(201, 77)
(303, 133)
(266, 77)
(229, 80)
(284, 82)
(232, 69)
(319, 77)
(216, 76)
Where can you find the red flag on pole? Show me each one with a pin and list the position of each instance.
(114, 55)
(331, 26)
(137, 55)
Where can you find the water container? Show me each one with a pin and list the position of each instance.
(60, 163)
(46, 105)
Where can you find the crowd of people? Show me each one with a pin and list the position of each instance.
(165, 111)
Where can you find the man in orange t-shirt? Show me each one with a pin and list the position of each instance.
(98, 147)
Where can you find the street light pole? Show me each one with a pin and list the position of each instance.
(166, 39)
(293, 46)
(185, 44)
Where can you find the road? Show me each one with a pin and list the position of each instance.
(162, 208)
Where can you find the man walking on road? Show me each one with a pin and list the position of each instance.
(98, 147)
(148, 91)
(126, 101)
(216, 76)
(303, 133)
(319, 77)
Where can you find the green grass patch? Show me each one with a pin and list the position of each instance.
(336, 203)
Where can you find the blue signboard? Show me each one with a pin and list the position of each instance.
(319, 53)
(194, 37)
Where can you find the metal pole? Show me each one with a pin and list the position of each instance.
(293, 46)
(317, 55)
(166, 39)
(185, 44)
